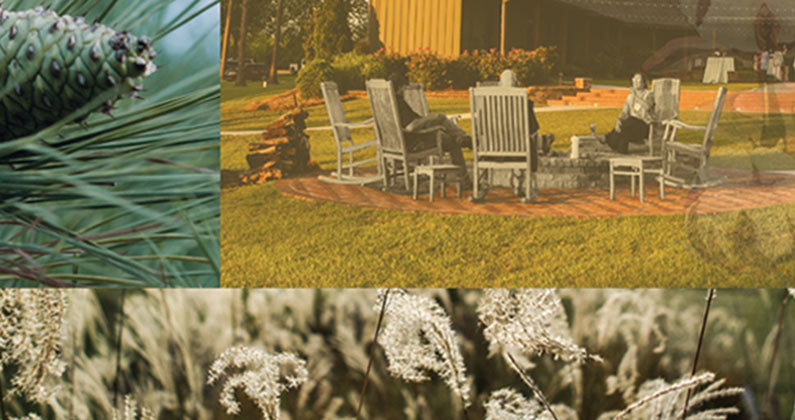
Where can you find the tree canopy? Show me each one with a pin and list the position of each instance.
(298, 25)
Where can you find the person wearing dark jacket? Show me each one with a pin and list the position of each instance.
(452, 138)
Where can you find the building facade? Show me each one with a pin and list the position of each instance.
(580, 29)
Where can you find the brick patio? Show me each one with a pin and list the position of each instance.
(744, 190)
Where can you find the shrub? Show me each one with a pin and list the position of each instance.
(534, 67)
(524, 64)
(352, 69)
(463, 71)
(428, 69)
(392, 62)
(490, 64)
(310, 77)
(549, 61)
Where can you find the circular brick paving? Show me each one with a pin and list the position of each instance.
(744, 190)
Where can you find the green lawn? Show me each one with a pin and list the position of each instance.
(732, 87)
(270, 240)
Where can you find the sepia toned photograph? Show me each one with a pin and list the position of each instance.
(507, 143)
(429, 354)
(109, 143)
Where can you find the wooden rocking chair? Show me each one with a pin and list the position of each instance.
(666, 94)
(687, 165)
(395, 157)
(502, 139)
(341, 129)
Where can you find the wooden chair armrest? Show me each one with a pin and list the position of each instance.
(359, 146)
(363, 124)
(685, 148)
(681, 125)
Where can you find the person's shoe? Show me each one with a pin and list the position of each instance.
(466, 142)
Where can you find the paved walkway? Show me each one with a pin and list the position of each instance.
(466, 116)
(743, 191)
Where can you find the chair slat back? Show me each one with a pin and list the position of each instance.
(383, 103)
(666, 98)
(488, 83)
(500, 121)
(714, 118)
(336, 113)
(414, 95)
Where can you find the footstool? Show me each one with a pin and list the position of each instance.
(443, 172)
(636, 167)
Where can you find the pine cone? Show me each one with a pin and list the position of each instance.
(51, 66)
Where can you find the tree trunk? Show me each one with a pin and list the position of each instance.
(371, 38)
(225, 41)
(241, 48)
(273, 78)
(504, 5)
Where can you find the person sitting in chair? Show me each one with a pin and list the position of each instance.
(633, 123)
(453, 136)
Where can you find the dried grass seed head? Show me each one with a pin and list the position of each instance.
(31, 335)
(262, 376)
(529, 322)
(131, 411)
(507, 404)
(660, 400)
(418, 337)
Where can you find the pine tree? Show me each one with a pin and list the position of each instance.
(331, 35)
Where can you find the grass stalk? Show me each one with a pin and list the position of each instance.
(529, 381)
(449, 352)
(769, 390)
(120, 332)
(710, 295)
(372, 353)
(3, 413)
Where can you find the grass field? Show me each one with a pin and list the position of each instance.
(270, 240)
(732, 87)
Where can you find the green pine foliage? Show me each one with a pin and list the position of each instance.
(128, 199)
(331, 34)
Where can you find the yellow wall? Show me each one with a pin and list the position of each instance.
(407, 25)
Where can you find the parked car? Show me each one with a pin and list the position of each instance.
(252, 70)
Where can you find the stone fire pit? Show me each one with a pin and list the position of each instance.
(560, 171)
